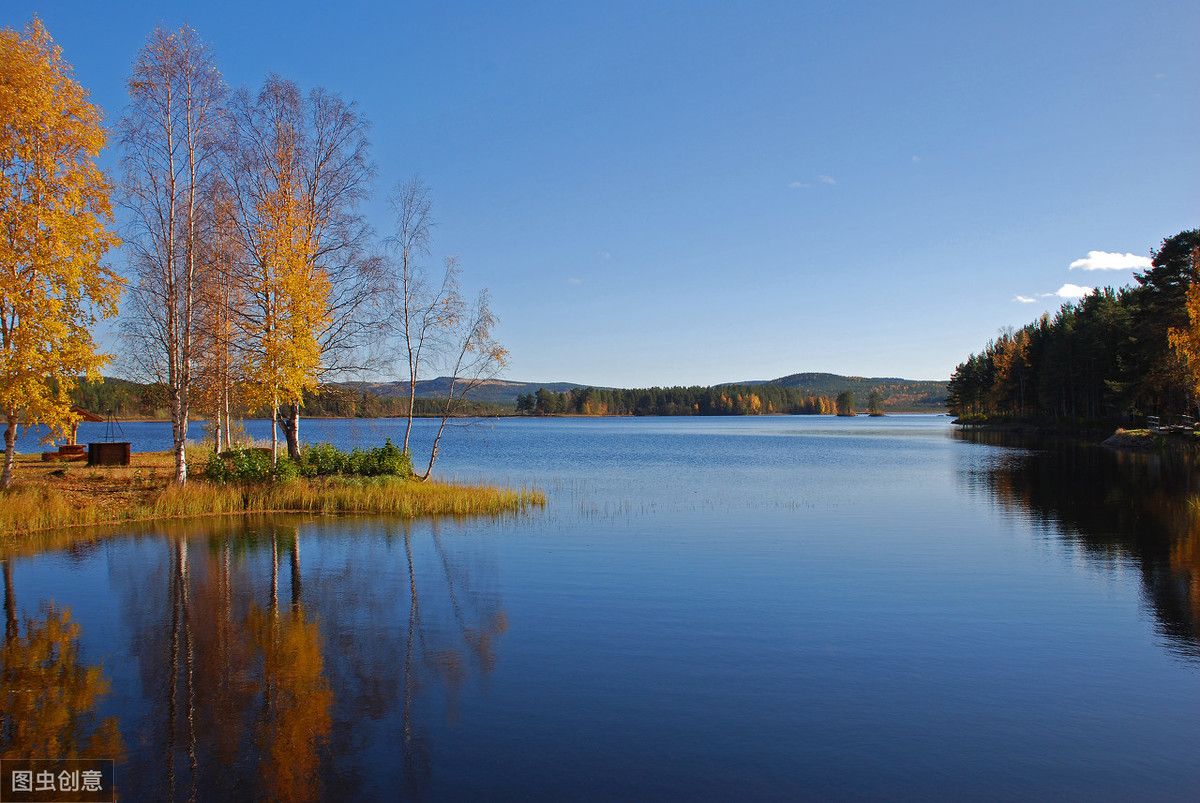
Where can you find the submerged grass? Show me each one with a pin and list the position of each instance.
(82, 497)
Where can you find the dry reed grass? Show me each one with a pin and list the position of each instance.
(44, 499)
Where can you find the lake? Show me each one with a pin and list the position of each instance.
(712, 608)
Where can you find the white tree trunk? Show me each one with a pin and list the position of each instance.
(10, 453)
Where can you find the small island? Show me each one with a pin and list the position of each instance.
(324, 481)
(250, 281)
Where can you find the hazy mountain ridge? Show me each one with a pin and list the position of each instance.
(134, 399)
(495, 391)
(898, 393)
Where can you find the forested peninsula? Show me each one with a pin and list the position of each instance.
(720, 400)
(1115, 357)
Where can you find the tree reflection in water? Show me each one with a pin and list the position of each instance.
(248, 694)
(47, 696)
(1142, 507)
(295, 693)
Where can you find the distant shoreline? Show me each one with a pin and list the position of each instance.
(146, 420)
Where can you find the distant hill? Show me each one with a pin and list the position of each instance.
(496, 391)
(903, 394)
(898, 394)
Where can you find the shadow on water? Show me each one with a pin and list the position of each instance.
(259, 676)
(1142, 507)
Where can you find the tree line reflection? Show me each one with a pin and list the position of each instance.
(255, 675)
(1142, 507)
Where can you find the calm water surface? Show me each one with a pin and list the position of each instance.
(707, 608)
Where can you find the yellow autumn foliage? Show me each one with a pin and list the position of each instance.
(49, 696)
(55, 212)
(298, 698)
(294, 292)
(1185, 340)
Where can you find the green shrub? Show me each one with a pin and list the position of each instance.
(240, 465)
(216, 470)
(386, 461)
(391, 461)
(318, 460)
(251, 465)
(356, 463)
(286, 469)
(322, 460)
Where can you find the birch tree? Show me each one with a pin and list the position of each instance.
(476, 357)
(422, 312)
(55, 216)
(172, 137)
(219, 300)
(316, 145)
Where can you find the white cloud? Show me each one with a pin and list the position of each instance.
(1110, 260)
(828, 181)
(1025, 299)
(574, 280)
(1071, 291)
(916, 158)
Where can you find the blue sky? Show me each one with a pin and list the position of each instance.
(662, 193)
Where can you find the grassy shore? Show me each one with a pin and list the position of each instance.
(49, 496)
(1152, 439)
